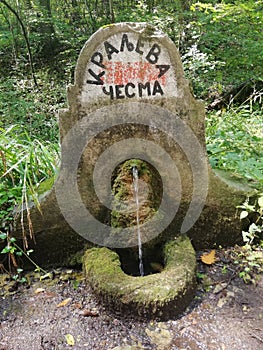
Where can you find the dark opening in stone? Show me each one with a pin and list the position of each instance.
(153, 260)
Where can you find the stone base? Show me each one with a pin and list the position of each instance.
(162, 295)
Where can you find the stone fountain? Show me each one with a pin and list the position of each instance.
(130, 106)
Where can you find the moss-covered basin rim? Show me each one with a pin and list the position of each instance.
(103, 270)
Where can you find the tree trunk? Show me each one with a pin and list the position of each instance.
(112, 17)
(14, 42)
(49, 42)
(150, 5)
(25, 36)
(46, 27)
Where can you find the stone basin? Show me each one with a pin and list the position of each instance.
(163, 295)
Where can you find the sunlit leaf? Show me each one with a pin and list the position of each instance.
(64, 302)
(243, 214)
(70, 339)
(209, 258)
(39, 290)
(260, 202)
(3, 236)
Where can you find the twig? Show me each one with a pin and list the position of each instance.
(256, 336)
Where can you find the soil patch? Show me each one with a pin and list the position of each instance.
(62, 312)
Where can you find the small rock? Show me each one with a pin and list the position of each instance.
(39, 290)
(160, 337)
(219, 287)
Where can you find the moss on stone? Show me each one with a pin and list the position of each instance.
(122, 190)
(163, 295)
(46, 185)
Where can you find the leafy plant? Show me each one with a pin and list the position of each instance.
(254, 212)
(24, 164)
(250, 256)
(31, 110)
(235, 142)
(231, 34)
(13, 250)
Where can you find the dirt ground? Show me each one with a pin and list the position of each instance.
(62, 313)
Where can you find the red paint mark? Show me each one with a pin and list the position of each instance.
(119, 73)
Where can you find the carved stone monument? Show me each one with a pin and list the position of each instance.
(130, 100)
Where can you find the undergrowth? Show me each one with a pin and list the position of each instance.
(234, 138)
(24, 164)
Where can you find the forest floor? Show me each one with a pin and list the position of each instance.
(62, 313)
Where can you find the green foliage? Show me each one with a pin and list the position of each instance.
(235, 142)
(250, 262)
(250, 256)
(230, 33)
(253, 212)
(24, 164)
(33, 110)
(13, 250)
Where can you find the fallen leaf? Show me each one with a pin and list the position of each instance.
(92, 313)
(48, 275)
(70, 339)
(243, 214)
(39, 290)
(64, 302)
(49, 295)
(209, 258)
(78, 305)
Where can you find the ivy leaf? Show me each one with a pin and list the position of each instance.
(243, 214)
(3, 236)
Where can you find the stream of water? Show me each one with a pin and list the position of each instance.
(136, 197)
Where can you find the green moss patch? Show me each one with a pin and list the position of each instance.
(163, 295)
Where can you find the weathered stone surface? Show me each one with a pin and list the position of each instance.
(129, 85)
(162, 295)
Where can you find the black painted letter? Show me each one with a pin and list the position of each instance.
(143, 87)
(157, 89)
(109, 93)
(138, 46)
(163, 68)
(99, 61)
(110, 49)
(125, 41)
(119, 91)
(98, 80)
(127, 93)
(153, 54)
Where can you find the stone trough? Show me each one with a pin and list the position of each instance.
(162, 295)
